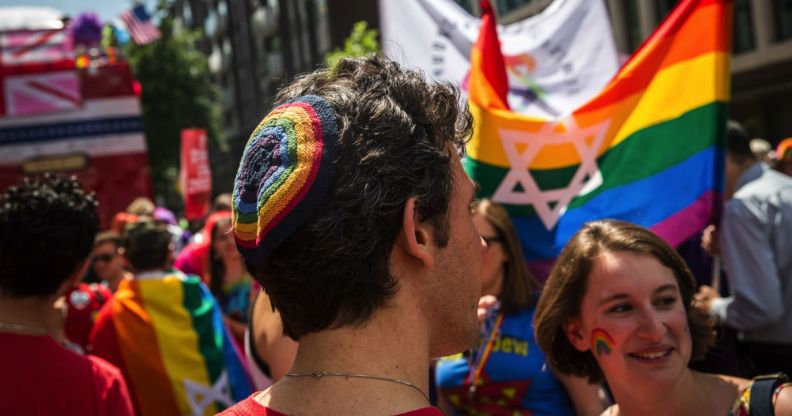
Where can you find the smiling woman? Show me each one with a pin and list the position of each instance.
(619, 306)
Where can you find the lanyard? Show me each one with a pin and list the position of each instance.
(478, 364)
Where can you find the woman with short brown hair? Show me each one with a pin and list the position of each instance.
(618, 306)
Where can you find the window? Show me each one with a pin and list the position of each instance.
(505, 6)
(782, 10)
(633, 25)
(743, 38)
(664, 7)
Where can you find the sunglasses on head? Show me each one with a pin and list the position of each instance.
(103, 257)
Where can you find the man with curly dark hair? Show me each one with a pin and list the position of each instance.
(352, 210)
(47, 227)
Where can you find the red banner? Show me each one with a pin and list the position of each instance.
(196, 177)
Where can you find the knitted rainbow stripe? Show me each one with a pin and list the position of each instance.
(285, 172)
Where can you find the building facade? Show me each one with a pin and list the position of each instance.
(255, 46)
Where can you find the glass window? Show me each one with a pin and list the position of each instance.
(782, 10)
(222, 8)
(210, 24)
(743, 38)
(187, 14)
(466, 4)
(664, 7)
(633, 25)
(505, 6)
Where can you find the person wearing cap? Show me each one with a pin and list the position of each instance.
(754, 239)
(352, 210)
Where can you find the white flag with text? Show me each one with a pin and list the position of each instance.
(556, 60)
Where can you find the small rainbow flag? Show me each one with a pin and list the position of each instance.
(168, 338)
(648, 149)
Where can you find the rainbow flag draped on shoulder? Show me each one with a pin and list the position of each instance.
(648, 149)
(168, 338)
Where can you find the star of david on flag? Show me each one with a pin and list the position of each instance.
(647, 149)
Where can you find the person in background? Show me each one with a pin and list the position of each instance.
(227, 276)
(755, 240)
(141, 207)
(365, 243)
(270, 353)
(762, 150)
(506, 372)
(618, 306)
(84, 301)
(107, 261)
(180, 236)
(193, 259)
(47, 228)
(164, 330)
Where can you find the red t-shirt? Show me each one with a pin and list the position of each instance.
(250, 407)
(39, 377)
(83, 303)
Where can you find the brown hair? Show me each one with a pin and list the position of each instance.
(564, 290)
(519, 286)
(107, 237)
(395, 140)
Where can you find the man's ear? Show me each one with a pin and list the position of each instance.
(416, 235)
(574, 333)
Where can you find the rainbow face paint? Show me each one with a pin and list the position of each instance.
(601, 342)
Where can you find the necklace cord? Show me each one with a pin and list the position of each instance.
(320, 374)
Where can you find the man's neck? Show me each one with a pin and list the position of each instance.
(385, 347)
(30, 312)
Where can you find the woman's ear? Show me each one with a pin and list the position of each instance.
(574, 333)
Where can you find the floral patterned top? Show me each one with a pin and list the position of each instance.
(742, 404)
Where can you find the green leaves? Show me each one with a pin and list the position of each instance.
(360, 42)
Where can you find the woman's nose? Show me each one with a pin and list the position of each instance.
(651, 325)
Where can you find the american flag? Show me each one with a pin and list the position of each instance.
(139, 24)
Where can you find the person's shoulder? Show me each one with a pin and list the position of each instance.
(783, 399)
(103, 368)
(249, 407)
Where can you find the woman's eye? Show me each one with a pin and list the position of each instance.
(667, 301)
(622, 307)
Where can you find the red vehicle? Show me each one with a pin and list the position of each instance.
(56, 118)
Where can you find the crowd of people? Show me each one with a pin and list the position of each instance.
(355, 272)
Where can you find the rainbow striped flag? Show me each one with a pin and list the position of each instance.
(168, 338)
(648, 149)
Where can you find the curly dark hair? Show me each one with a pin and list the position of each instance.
(563, 292)
(47, 228)
(397, 135)
(147, 244)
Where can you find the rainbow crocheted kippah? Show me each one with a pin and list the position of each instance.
(285, 173)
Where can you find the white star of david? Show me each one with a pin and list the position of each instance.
(550, 204)
(200, 396)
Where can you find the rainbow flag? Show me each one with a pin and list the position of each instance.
(648, 149)
(168, 338)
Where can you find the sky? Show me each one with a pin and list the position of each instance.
(106, 9)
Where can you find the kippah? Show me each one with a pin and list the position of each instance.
(285, 173)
